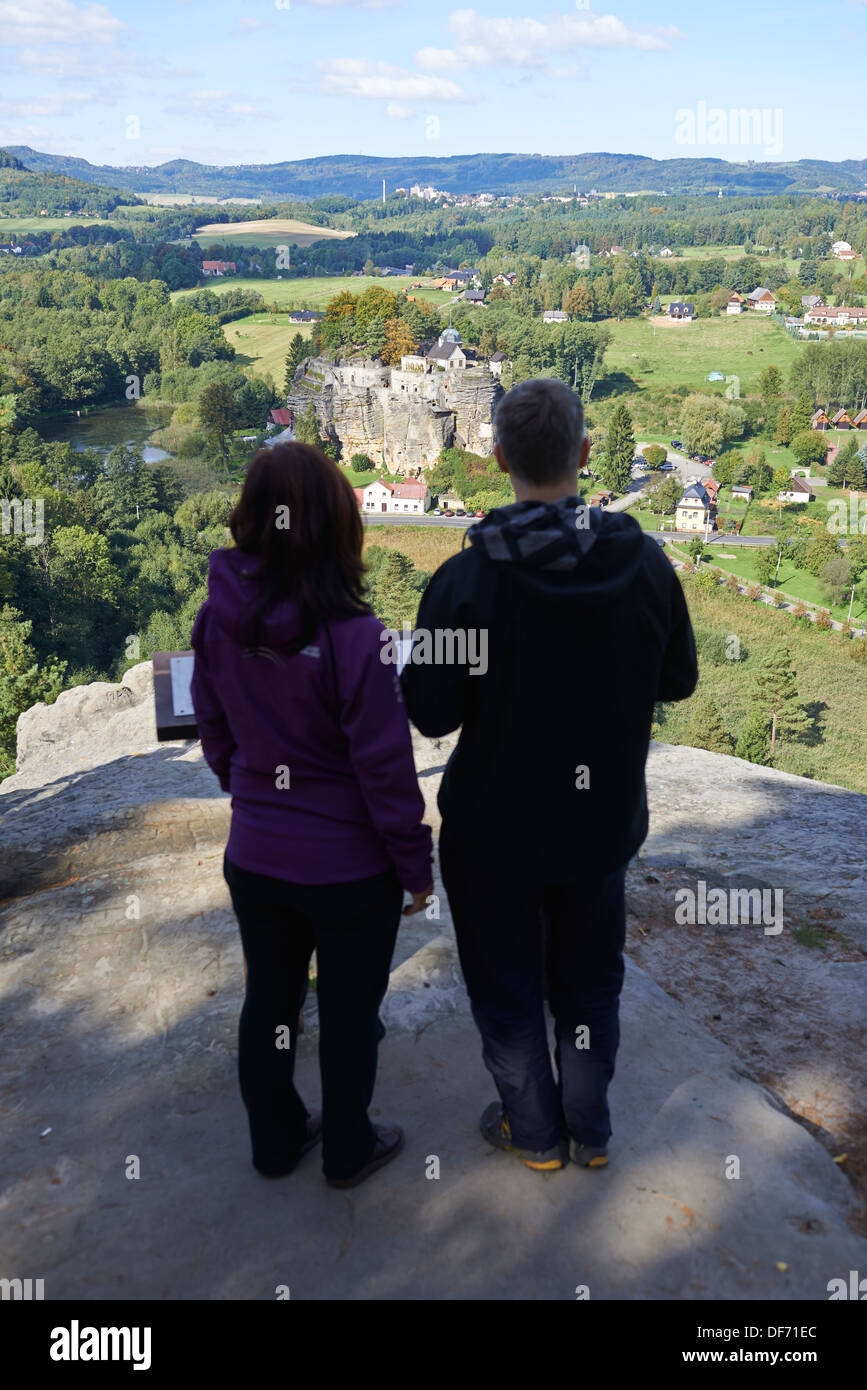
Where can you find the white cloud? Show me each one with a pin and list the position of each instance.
(358, 77)
(56, 22)
(55, 104)
(532, 43)
(397, 112)
(353, 4)
(243, 109)
(208, 94)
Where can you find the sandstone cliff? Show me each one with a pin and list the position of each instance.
(401, 419)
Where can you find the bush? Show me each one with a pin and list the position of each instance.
(655, 454)
(706, 580)
(823, 620)
(361, 463)
(800, 610)
(731, 585)
(754, 592)
(858, 650)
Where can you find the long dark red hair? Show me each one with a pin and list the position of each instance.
(298, 515)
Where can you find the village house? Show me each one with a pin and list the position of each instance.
(762, 300)
(842, 420)
(666, 251)
(796, 490)
(842, 251)
(303, 316)
(811, 301)
(555, 316)
(282, 417)
(743, 490)
(820, 421)
(860, 420)
(841, 316)
(448, 352)
(497, 361)
(679, 309)
(476, 297)
(694, 511)
(735, 304)
(218, 267)
(395, 498)
(506, 277)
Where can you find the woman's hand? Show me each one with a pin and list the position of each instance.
(419, 901)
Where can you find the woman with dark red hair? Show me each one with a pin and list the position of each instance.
(303, 722)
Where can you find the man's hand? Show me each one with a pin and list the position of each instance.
(419, 901)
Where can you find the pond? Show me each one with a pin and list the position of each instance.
(132, 425)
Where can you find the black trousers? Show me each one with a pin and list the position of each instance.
(516, 934)
(353, 927)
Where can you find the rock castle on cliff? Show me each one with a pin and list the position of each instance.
(402, 417)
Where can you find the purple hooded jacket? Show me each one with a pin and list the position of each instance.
(317, 756)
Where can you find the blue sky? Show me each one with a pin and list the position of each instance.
(255, 81)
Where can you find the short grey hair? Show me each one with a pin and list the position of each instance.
(540, 428)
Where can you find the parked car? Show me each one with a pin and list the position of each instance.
(460, 512)
(437, 511)
(480, 514)
(675, 444)
(666, 468)
(448, 512)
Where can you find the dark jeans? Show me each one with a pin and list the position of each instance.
(353, 927)
(515, 935)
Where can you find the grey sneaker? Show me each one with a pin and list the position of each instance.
(586, 1156)
(495, 1128)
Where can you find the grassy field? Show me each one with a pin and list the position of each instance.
(426, 546)
(830, 686)
(682, 354)
(21, 226)
(315, 291)
(270, 231)
(261, 345)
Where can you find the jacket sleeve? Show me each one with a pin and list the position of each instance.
(679, 675)
(218, 745)
(373, 717)
(435, 690)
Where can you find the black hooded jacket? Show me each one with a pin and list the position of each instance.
(587, 628)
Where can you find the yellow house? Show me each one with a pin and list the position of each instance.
(693, 511)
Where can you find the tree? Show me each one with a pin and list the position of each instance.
(783, 425)
(294, 357)
(802, 414)
(397, 342)
(723, 470)
(776, 697)
(655, 454)
(361, 463)
(394, 598)
(809, 447)
(307, 428)
(706, 729)
(664, 496)
(218, 416)
(770, 385)
(124, 490)
(754, 740)
(619, 450)
(23, 682)
(765, 564)
(707, 421)
(695, 550)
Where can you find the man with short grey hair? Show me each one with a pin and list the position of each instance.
(543, 800)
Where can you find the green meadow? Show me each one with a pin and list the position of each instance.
(682, 354)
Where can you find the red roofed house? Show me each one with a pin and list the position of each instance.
(218, 267)
(396, 497)
(284, 418)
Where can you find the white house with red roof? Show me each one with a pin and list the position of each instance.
(218, 267)
(394, 498)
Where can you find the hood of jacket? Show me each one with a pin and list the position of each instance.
(235, 591)
(563, 551)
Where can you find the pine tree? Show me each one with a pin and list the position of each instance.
(294, 357)
(783, 428)
(754, 741)
(619, 451)
(802, 414)
(706, 728)
(393, 597)
(776, 696)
